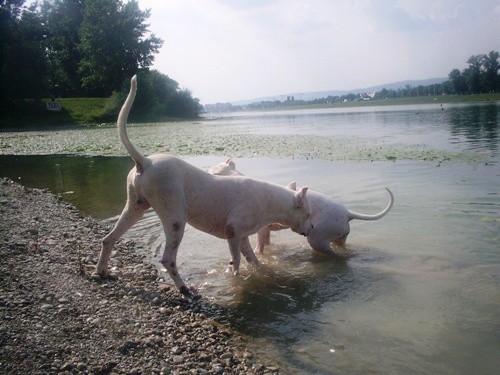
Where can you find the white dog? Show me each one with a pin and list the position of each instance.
(227, 207)
(330, 219)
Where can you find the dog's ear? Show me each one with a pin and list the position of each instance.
(292, 186)
(300, 197)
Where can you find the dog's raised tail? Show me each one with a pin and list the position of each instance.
(121, 123)
(355, 215)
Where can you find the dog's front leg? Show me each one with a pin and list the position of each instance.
(234, 248)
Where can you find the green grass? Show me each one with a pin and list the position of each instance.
(74, 111)
(84, 110)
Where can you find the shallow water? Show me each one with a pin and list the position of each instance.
(420, 292)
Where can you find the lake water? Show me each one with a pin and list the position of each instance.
(421, 291)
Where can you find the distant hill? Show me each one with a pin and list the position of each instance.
(323, 94)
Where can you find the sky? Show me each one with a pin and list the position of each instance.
(230, 50)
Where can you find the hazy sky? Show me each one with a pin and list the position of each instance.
(224, 50)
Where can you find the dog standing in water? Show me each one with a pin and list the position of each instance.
(231, 208)
(330, 219)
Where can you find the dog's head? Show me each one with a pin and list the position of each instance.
(224, 169)
(302, 213)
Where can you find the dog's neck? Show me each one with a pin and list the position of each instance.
(280, 207)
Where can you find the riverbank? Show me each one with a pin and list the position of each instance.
(92, 111)
(73, 112)
(57, 319)
(418, 100)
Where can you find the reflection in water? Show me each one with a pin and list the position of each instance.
(292, 285)
(477, 124)
(96, 185)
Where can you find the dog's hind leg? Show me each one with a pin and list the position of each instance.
(130, 215)
(247, 251)
(173, 227)
(263, 238)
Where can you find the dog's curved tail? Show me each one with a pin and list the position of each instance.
(140, 161)
(355, 215)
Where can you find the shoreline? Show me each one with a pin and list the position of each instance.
(57, 319)
(493, 98)
(57, 121)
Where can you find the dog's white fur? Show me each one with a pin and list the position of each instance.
(225, 169)
(227, 207)
(330, 219)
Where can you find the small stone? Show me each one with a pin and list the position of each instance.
(163, 310)
(176, 350)
(81, 366)
(218, 369)
(272, 368)
(226, 356)
(178, 359)
(67, 367)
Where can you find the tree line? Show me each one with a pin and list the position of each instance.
(481, 76)
(82, 48)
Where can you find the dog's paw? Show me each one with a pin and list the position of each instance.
(184, 290)
(230, 270)
(190, 292)
(100, 277)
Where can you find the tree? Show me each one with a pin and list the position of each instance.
(473, 73)
(62, 20)
(491, 65)
(113, 44)
(23, 65)
(159, 96)
(457, 81)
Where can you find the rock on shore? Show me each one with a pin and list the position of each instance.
(56, 319)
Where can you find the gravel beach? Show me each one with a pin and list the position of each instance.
(55, 318)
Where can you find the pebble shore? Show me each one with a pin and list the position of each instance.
(55, 318)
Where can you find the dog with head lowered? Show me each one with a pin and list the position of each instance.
(231, 208)
(330, 219)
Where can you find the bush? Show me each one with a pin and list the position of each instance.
(158, 96)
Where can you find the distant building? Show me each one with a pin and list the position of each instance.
(366, 96)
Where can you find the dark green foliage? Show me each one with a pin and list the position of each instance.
(23, 67)
(62, 19)
(158, 96)
(76, 48)
(112, 44)
(481, 76)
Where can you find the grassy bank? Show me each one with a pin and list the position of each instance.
(74, 111)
